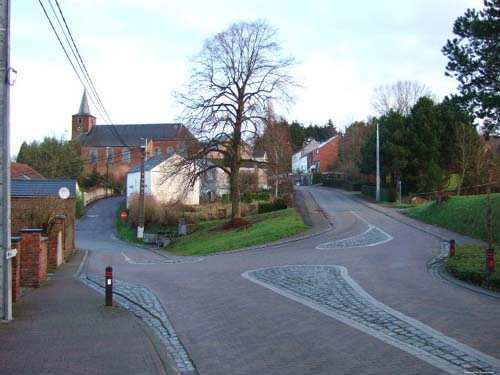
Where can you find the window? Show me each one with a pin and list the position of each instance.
(157, 151)
(110, 155)
(126, 155)
(93, 155)
(170, 151)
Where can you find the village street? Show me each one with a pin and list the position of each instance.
(355, 299)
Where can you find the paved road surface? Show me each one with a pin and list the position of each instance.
(361, 303)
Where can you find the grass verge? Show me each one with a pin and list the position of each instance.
(466, 215)
(127, 233)
(123, 229)
(468, 264)
(266, 228)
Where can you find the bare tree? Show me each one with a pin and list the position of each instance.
(350, 147)
(276, 142)
(235, 76)
(399, 97)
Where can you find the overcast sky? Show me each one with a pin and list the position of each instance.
(138, 52)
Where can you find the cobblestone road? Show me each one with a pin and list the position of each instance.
(328, 289)
(145, 305)
(371, 237)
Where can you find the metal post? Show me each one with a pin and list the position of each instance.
(377, 194)
(490, 252)
(109, 286)
(5, 263)
(452, 248)
(140, 227)
(400, 192)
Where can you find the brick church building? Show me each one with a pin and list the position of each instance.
(111, 150)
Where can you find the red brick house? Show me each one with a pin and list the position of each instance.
(20, 171)
(326, 154)
(111, 150)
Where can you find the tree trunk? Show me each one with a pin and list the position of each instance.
(235, 190)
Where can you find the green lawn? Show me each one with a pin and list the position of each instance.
(468, 264)
(266, 228)
(466, 215)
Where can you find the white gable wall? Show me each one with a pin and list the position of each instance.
(134, 184)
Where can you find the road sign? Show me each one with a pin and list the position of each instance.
(123, 215)
(11, 253)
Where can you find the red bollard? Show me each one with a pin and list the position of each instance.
(452, 248)
(490, 260)
(109, 286)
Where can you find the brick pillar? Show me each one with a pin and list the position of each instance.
(61, 221)
(55, 246)
(16, 269)
(33, 258)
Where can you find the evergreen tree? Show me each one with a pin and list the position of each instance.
(52, 157)
(474, 59)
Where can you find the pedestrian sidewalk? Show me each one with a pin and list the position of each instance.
(64, 328)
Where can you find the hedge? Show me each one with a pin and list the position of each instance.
(278, 204)
(386, 195)
(248, 197)
(328, 180)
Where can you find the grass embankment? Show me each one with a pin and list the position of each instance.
(266, 228)
(468, 264)
(466, 215)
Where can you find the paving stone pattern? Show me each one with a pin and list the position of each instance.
(165, 259)
(330, 290)
(145, 305)
(373, 236)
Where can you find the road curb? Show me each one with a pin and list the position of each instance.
(437, 265)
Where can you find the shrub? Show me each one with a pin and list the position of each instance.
(386, 195)
(278, 204)
(316, 178)
(80, 204)
(468, 264)
(153, 212)
(261, 196)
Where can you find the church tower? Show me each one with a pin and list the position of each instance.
(83, 121)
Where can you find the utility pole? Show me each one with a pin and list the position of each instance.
(377, 193)
(5, 279)
(140, 227)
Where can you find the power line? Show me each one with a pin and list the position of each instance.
(83, 70)
(91, 83)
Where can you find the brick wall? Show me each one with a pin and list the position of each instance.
(36, 212)
(33, 258)
(328, 154)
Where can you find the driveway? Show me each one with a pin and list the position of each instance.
(356, 299)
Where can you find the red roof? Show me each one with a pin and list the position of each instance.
(20, 171)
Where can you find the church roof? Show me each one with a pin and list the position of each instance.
(84, 106)
(105, 136)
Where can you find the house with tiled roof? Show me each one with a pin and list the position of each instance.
(21, 171)
(111, 150)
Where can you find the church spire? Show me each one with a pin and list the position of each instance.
(84, 105)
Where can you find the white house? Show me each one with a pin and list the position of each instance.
(163, 181)
(302, 159)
